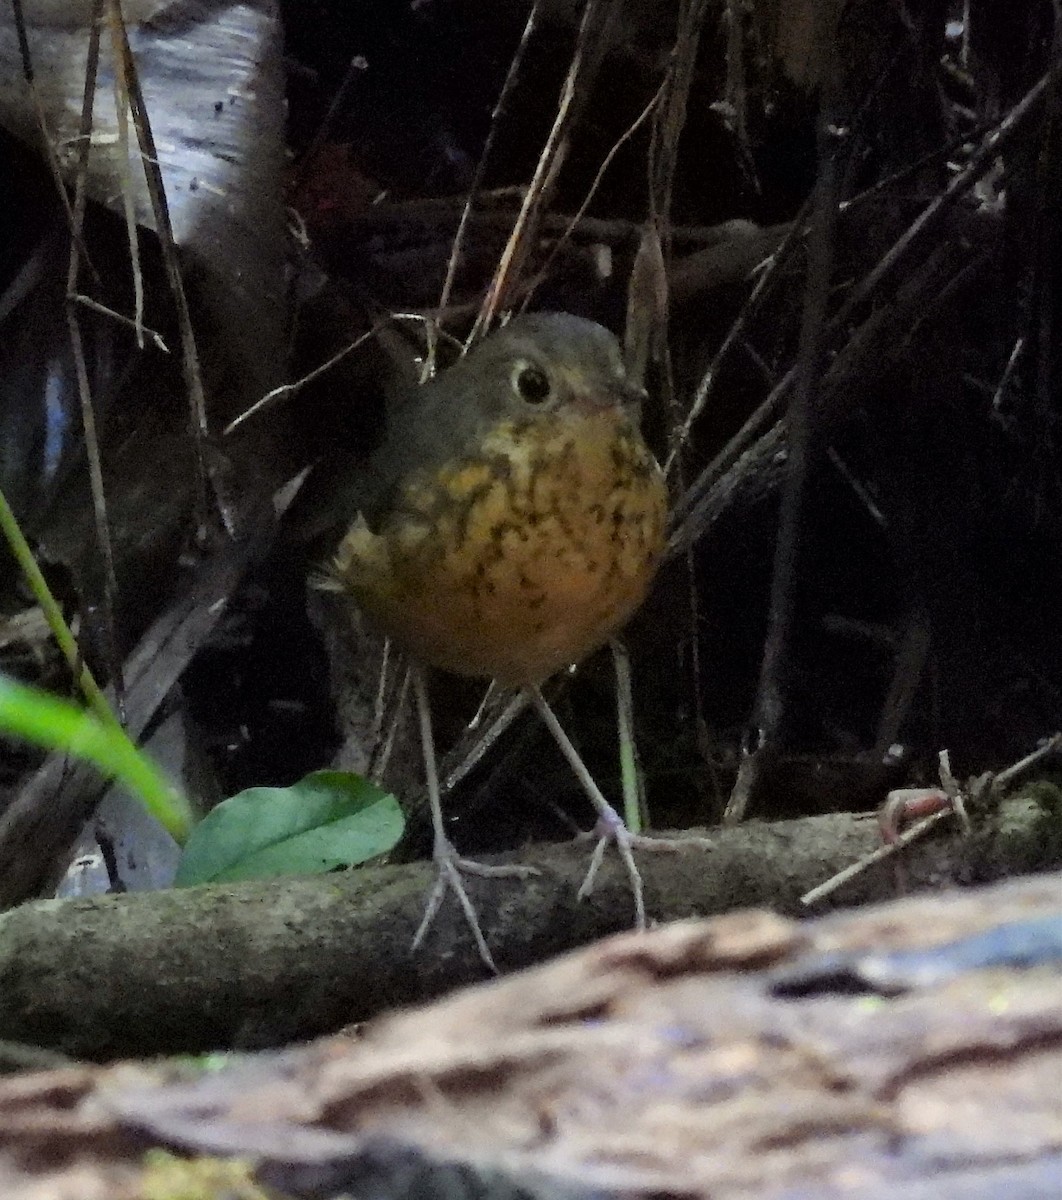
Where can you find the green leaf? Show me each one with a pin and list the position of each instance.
(45, 720)
(327, 820)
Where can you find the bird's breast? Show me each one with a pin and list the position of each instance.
(520, 558)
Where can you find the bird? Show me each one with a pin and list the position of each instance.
(509, 524)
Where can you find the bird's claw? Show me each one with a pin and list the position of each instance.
(449, 867)
(612, 829)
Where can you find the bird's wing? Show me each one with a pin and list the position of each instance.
(426, 427)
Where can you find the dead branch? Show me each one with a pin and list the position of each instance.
(261, 963)
(914, 1048)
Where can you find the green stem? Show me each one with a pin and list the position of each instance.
(56, 724)
(52, 614)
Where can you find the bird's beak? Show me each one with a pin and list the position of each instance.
(617, 393)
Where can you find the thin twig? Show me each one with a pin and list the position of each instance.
(47, 142)
(769, 411)
(806, 445)
(704, 387)
(646, 333)
(875, 856)
(156, 189)
(1005, 778)
(286, 390)
(120, 318)
(121, 113)
(476, 752)
(84, 389)
(547, 168)
(356, 65)
(996, 786)
(384, 743)
(477, 179)
(580, 222)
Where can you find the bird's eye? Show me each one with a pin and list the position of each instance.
(531, 383)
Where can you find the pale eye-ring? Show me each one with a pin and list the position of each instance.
(531, 383)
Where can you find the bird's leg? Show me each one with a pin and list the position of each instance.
(610, 825)
(448, 863)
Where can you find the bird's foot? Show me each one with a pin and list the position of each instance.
(611, 829)
(449, 866)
